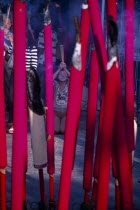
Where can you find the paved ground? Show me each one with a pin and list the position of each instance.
(76, 190)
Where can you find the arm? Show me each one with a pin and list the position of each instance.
(7, 56)
(63, 65)
(30, 79)
(56, 73)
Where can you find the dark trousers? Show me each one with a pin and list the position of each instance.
(8, 90)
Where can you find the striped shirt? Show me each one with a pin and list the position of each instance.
(31, 57)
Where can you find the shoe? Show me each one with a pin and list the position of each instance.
(11, 130)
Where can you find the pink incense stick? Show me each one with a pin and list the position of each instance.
(106, 137)
(73, 114)
(111, 8)
(3, 145)
(121, 151)
(129, 72)
(119, 171)
(19, 155)
(98, 35)
(91, 121)
(49, 103)
(49, 97)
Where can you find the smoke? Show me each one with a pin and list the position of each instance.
(6, 2)
(63, 17)
(137, 31)
(121, 27)
(68, 11)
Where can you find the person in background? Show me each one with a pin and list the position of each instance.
(35, 106)
(8, 71)
(61, 85)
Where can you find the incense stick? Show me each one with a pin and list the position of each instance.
(8, 11)
(77, 28)
(62, 52)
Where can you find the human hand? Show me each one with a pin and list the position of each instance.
(62, 65)
(10, 38)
